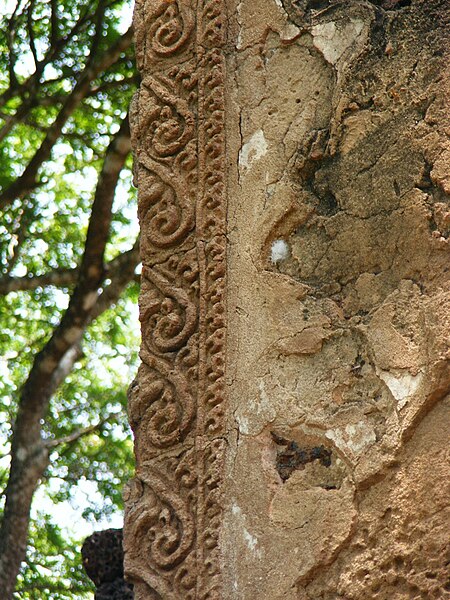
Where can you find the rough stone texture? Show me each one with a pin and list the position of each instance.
(337, 312)
(313, 466)
(102, 556)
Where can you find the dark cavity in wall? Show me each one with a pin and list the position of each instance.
(291, 456)
(304, 12)
(391, 4)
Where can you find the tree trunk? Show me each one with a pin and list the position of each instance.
(26, 470)
(288, 414)
(29, 451)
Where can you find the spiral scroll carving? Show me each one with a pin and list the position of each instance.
(167, 121)
(165, 214)
(169, 27)
(165, 409)
(166, 525)
(177, 403)
(162, 516)
(168, 317)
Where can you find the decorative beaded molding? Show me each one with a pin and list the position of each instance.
(176, 404)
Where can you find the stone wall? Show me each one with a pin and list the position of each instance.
(292, 164)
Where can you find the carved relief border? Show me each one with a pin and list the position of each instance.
(176, 404)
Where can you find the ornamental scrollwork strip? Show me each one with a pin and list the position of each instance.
(212, 506)
(212, 218)
(213, 16)
(173, 521)
(160, 521)
(214, 327)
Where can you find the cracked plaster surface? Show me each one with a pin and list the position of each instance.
(337, 307)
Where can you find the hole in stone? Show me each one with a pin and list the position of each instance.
(425, 182)
(328, 205)
(317, 4)
(362, 574)
(391, 4)
(357, 366)
(396, 187)
(291, 457)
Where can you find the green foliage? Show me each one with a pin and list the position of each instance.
(38, 580)
(45, 231)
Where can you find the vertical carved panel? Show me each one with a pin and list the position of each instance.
(176, 403)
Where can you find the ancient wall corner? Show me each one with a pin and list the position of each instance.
(289, 414)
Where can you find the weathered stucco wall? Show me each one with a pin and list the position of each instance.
(337, 314)
(292, 162)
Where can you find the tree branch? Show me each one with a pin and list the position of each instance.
(53, 23)
(98, 20)
(134, 79)
(76, 435)
(68, 277)
(65, 366)
(11, 120)
(57, 278)
(27, 181)
(121, 275)
(53, 52)
(10, 32)
(91, 274)
(30, 30)
(18, 234)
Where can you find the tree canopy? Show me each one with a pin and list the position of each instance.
(68, 284)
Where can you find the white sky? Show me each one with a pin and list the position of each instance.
(68, 514)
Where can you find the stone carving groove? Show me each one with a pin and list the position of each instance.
(176, 404)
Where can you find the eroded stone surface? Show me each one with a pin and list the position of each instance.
(338, 308)
(102, 555)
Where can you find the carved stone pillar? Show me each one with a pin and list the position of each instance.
(177, 404)
(288, 415)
